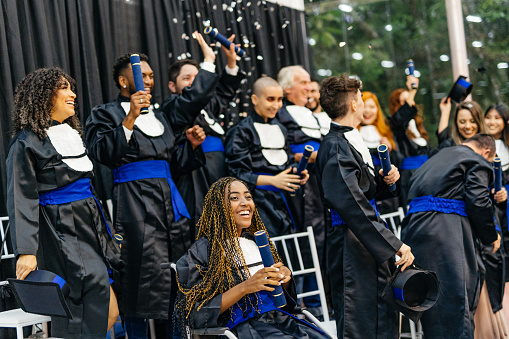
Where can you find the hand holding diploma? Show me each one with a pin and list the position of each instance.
(388, 171)
(391, 177)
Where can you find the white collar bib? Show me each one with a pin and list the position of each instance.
(272, 141)
(69, 145)
(306, 120)
(147, 123)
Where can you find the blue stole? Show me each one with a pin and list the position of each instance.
(277, 190)
(429, 203)
(299, 148)
(212, 144)
(411, 163)
(151, 169)
(78, 190)
(376, 160)
(265, 304)
(338, 221)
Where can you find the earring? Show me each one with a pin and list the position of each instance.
(124, 86)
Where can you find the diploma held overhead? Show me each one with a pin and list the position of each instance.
(213, 32)
(138, 77)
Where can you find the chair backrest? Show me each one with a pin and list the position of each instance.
(297, 266)
(394, 220)
(4, 222)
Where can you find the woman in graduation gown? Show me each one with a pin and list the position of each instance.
(66, 235)
(150, 214)
(407, 124)
(360, 248)
(257, 153)
(222, 281)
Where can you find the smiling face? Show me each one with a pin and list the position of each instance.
(467, 127)
(63, 102)
(299, 92)
(127, 79)
(242, 205)
(184, 79)
(269, 102)
(314, 96)
(370, 112)
(494, 123)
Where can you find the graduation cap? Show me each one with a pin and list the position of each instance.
(412, 292)
(461, 89)
(42, 292)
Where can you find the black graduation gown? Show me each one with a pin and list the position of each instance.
(245, 159)
(307, 209)
(202, 104)
(359, 253)
(69, 239)
(144, 212)
(445, 243)
(274, 324)
(406, 146)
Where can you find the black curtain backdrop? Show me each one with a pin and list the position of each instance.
(84, 37)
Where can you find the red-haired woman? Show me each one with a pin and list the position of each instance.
(409, 132)
(375, 130)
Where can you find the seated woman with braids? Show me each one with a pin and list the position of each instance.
(222, 281)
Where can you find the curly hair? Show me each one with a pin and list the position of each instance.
(227, 267)
(33, 101)
(380, 121)
(336, 93)
(122, 63)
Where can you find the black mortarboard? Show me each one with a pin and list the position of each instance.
(412, 292)
(461, 89)
(42, 292)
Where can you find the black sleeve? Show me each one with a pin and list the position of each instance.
(238, 155)
(342, 193)
(181, 110)
(186, 159)
(478, 203)
(23, 198)
(400, 119)
(225, 92)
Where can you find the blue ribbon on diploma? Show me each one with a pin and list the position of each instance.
(497, 166)
(262, 241)
(214, 34)
(138, 77)
(383, 153)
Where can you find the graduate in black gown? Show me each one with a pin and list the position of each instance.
(257, 153)
(201, 97)
(450, 208)
(222, 280)
(360, 247)
(150, 213)
(66, 235)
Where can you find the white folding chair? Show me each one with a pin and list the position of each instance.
(394, 219)
(17, 318)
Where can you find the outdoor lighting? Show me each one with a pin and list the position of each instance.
(324, 72)
(312, 41)
(474, 18)
(357, 56)
(388, 28)
(476, 44)
(345, 8)
(502, 65)
(342, 44)
(387, 63)
(444, 57)
(417, 74)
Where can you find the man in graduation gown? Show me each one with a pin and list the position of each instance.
(257, 152)
(150, 213)
(450, 207)
(315, 107)
(360, 248)
(303, 129)
(201, 97)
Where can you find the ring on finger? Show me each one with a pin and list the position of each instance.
(141, 101)
(289, 184)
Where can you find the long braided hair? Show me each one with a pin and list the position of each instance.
(33, 101)
(227, 267)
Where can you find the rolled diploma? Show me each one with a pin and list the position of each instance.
(383, 153)
(497, 165)
(138, 77)
(262, 241)
(213, 33)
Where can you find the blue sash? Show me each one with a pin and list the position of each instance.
(265, 304)
(212, 144)
(277, 190)
(78, 190)
(411, 163)
(151, 169)
(338, 221)
(429, 203)
(299, 148)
